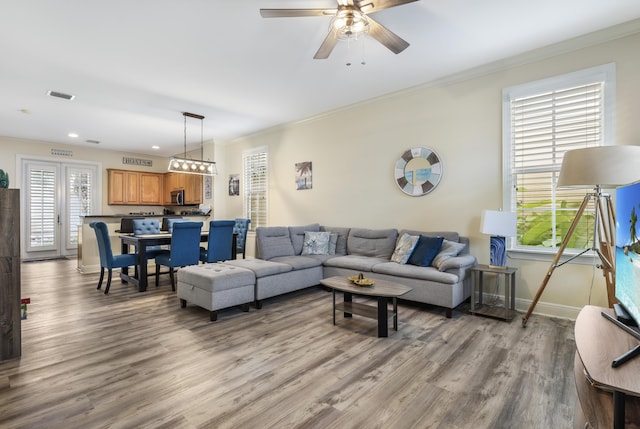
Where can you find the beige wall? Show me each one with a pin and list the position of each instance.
(353, 151)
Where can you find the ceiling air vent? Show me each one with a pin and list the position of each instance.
(92, 141)
(61, 95)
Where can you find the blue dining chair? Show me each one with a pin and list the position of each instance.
(171, 222)
(241, 227)
(185, 249)
(108, 260)
(148, 226)
(219, 242)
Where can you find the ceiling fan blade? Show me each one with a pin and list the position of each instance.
(292, 13)
(327, 46)
(385, 36)
(369, 6)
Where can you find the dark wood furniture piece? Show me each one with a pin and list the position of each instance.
(381, 290)
(10, 318)
(140, 242)
(479, 307)
(609, 397)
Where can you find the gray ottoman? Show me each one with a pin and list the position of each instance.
(216, 286)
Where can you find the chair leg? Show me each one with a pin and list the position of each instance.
(101, 278)
(106, 290)
(213, 316)
(157, 274)
(183, 303)
(173, 281)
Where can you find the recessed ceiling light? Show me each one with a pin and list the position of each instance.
(73, 135)
(155, 147)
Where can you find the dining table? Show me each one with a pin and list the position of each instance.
(141, 242)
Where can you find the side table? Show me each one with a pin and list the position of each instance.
(509, 310)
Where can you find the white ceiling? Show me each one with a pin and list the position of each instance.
(134, 66)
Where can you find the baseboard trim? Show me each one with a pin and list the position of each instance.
(547, 309)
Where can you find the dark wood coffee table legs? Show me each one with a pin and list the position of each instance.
(381, 313)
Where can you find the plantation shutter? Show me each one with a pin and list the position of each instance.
(255, 187)
(544, 126)
(42, 209)
(79, 203)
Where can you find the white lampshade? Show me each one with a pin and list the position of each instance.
(498, 223)
(606, 166)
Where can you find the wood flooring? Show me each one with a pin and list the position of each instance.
(138, 360)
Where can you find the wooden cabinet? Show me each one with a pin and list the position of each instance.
(191, 183)
(10, 317)
(135, 188)
(193, 189)
(151, 185)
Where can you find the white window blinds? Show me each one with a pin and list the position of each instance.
(79, 203)
(543, 125)
(42, 208)
(256, 175)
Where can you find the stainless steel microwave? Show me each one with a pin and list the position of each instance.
(177, 198)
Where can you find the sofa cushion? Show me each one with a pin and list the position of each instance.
(425, 250)
(296, 235)
(273, 241)
(316, 243)
(354, 262)
(449, 250)
(415, 272)
(341, 242)
(377, 243)
(404, 247)
(447, 235)
(298, 262)
(260, 267)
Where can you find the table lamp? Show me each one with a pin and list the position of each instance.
(499, 225)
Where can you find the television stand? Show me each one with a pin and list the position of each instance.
(608, 396)
(631, 353)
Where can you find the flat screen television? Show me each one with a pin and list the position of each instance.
(628, 252)
(627, 263)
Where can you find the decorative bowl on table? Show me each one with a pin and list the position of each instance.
(360, 280)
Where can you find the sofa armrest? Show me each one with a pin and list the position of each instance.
(457, 262)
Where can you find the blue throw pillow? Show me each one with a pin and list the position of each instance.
(426, 249)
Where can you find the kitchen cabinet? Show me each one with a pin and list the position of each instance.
(191, 183)
(135, 187)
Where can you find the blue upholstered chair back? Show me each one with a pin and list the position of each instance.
(220, 241)
(146, 226)
(173, 221)
(104, 244)
(241, 227)
(185, 244)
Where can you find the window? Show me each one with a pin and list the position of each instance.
(543, 120)
(256, 175)
(79, 195)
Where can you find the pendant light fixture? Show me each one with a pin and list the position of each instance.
(193, 166)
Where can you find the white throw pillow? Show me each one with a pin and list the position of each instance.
(448, 250)
(316, 243)
(404, 247)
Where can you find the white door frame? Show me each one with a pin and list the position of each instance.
(61, 164)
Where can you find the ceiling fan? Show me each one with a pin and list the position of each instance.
(350, 19)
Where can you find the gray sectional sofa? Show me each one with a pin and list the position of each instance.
(280, 265)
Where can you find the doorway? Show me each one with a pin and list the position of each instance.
(55, 197)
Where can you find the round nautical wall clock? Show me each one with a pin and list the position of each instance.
(418, 171)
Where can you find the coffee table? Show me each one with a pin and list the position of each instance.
(381, 289)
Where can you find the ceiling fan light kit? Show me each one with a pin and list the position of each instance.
(349, 24)
(193, 166)
(350, 20)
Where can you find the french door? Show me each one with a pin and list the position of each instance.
(56, 195)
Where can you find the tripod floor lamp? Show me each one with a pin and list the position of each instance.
(597, 168)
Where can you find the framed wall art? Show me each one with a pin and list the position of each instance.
(418, 171)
